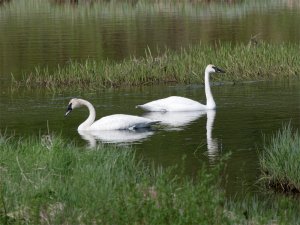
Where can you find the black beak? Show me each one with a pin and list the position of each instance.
(218, 70)
(69, 109)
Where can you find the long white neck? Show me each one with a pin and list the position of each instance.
(210, 102)
(92, 115)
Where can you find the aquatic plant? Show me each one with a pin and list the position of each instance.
(280, 161)
(241, 62)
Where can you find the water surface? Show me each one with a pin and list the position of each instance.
(45, 33)
(245, 113)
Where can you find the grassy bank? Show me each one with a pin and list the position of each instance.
(280, 161)
(51, 181)
(242, 63)
(60, 183)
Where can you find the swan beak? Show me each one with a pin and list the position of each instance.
(218, 70)
(69, 109)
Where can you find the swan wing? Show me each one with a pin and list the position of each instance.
(121, 122)
(173, 103)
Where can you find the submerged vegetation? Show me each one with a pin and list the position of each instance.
(51, 181)
(280, 161)
(241, 62)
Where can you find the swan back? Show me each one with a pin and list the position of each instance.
(122, 122)
(172, 104)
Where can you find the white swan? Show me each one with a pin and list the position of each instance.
(112, 122)
(176, 103)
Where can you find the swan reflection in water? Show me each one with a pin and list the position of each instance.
(173, 120)
(115, 136)
(177, 120)
(212, 143)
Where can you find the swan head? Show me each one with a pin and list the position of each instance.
(213, 69)
(74, 103)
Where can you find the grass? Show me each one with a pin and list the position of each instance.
(280, 161)
(242, 63)
(51, 181)
(267, 209)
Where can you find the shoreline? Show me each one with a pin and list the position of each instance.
(241, 63)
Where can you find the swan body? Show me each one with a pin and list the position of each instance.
(176, 103)
(173, 104)
(112, 122)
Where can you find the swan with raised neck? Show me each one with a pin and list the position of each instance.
(177, 103)
(112, 122)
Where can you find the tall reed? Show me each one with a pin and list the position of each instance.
(280, 160)
(242, 63)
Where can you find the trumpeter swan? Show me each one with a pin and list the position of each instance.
(176, 103)
(112, 122)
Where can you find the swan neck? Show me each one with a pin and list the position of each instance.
(92, 115)
(210, 102)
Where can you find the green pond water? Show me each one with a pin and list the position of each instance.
(46, 34)
(245, 112)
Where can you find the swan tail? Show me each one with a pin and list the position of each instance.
(151, 108)
(139, 107)
(144, 107)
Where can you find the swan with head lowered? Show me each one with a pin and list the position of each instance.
(176, 103)
(112, 122)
